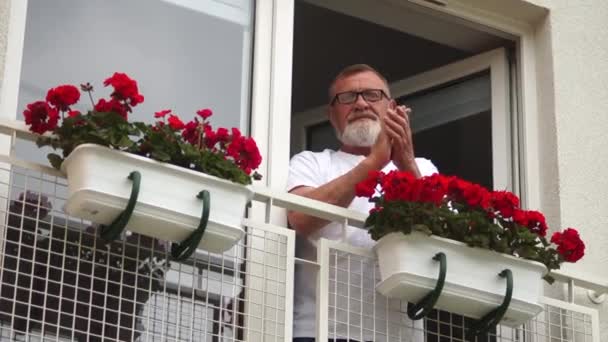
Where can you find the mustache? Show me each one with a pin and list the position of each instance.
(361, 115)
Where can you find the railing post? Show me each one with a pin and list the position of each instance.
(322, 290)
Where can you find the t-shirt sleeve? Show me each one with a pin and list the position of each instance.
(305, 170)
(426, 167)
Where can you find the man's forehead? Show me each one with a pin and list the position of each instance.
(360, 80)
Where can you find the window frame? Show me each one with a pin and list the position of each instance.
(523, 100)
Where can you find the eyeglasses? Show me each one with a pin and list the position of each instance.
(369, 95)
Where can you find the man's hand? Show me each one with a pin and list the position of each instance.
(380, 153)
(397, 123)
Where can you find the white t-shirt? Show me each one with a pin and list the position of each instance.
(313, 170)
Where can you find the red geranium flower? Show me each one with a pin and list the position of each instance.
(210, 136)
(504, 202)
(533, 220)
(175, 122)
(191, 132)
(125, 88)
(569, 244)
(367, 187)
(41, 117)
(222, 135)
(63, 96)
(113, 105)
(243, 151)
(204, 113)
(433, 188)
(162, 113)
(399, 186)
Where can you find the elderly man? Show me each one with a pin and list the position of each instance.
(375, 134)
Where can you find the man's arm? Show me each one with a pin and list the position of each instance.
(340, 191)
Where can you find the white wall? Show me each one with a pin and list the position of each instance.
(572, 64)
(4, 16)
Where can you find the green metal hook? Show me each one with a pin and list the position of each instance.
(184, 250)
(112, 231)
(426, 304)
(492, 318)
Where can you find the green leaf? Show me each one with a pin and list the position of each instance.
(422, 228)
(160, 156)
(55, 160)
(527, 252)
(125, 142)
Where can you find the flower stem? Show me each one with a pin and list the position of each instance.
(200, 136)
(91, 97)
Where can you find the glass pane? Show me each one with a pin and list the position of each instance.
(320, 137)
(185, 55)
(452, 126)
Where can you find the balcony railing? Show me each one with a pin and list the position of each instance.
(60, 282)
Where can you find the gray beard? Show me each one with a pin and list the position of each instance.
(361, 133)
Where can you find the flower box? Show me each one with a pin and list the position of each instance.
(472, 285)
(167, 207)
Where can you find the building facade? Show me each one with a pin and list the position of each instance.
(554, 103)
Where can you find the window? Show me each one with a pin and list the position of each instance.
(185, 55)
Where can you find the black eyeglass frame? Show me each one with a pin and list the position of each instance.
(357, 94)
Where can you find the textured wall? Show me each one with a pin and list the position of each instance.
(572, 65)
(4, 11)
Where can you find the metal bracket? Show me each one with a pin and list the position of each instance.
(492, 318)
(597, 298)
(186, 248)
(426, 304)
(114, 229)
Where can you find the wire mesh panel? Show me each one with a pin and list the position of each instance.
(356, 312)
(61, 282)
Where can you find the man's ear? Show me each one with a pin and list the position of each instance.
(392, 104)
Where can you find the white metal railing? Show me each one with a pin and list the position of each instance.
(59, 283)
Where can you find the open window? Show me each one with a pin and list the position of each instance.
(456, 77)
(456, 80)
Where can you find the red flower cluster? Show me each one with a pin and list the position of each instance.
(569, 244)
(451, 192)
(41, 117)
(534, 220)
(62, 97)
(124, 97)
(220, 152)
(113, 105)
(244, 152)
(240, 149)
(125, 89)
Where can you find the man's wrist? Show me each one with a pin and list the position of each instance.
(372, 163)
(409, 164)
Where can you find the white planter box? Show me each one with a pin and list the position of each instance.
(472, 286)
(167, 207)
